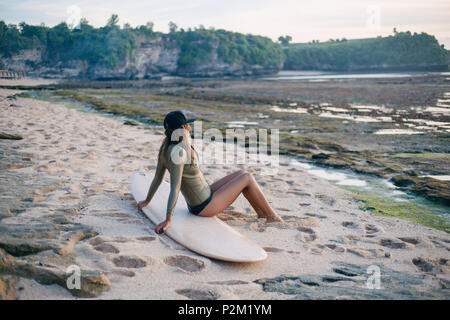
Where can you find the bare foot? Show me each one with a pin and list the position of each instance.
(269, 218)
(274, 218)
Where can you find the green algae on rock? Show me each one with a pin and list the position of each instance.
(414, 212)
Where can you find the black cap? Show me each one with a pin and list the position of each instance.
(175, 119)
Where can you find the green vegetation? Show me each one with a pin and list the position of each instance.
(400, 49)
(111, 44)
(232, 47)
(403, 210)
(106, 45)
(284, 40)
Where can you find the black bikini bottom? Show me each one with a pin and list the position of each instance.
(198, 208)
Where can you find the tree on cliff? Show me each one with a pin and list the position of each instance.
(285, 40)
(113, 20)
(397, 50)
(172, 27)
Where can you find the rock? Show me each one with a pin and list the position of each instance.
(320, 156)
(8, 136)
(403, 181)
(351, 283)
(7, 289)
(15, 195)
(292, 285)
(195, 294)
(22, 247)
(30, 238)
(52, 269)
(93, 284)
(130, 123)
(431, 188)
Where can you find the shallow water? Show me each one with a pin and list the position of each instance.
(323, 76)
(379, 187)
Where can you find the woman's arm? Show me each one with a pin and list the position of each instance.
(157, 179)
(175, 185)
(176, 174)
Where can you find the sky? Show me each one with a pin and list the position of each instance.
(303, 20)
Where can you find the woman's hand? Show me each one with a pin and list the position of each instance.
(163, 226)
(142, 204)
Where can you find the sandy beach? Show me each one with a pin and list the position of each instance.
(74, 169)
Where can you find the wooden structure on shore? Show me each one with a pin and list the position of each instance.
(6, 74)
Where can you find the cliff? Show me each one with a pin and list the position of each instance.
(151, 57)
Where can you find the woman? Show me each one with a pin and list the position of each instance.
(178, 157)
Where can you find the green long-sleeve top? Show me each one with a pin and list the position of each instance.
(184, 176)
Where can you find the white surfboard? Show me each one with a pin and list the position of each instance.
(208, 236)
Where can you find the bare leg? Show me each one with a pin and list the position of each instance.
(219, 183)
(227, 193)
(216, 185)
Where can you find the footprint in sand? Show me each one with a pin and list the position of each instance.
(235, 216)
(106, 248)
(439, 242)
(185, 263)
(411, 240)
(350, 224)
(272, 249)
(304, 204)
(308, 234)
(368, 253)
(431, 265)
(147, 238)
(316, 215)
(371, 228)
(96, 241)
(316, 249)
(393, 244)
(289, 222)
(129, 262)
(124, 273)
(229, 282)
(296, 222)
(299, 193)
(195, 294)
(335, 248)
